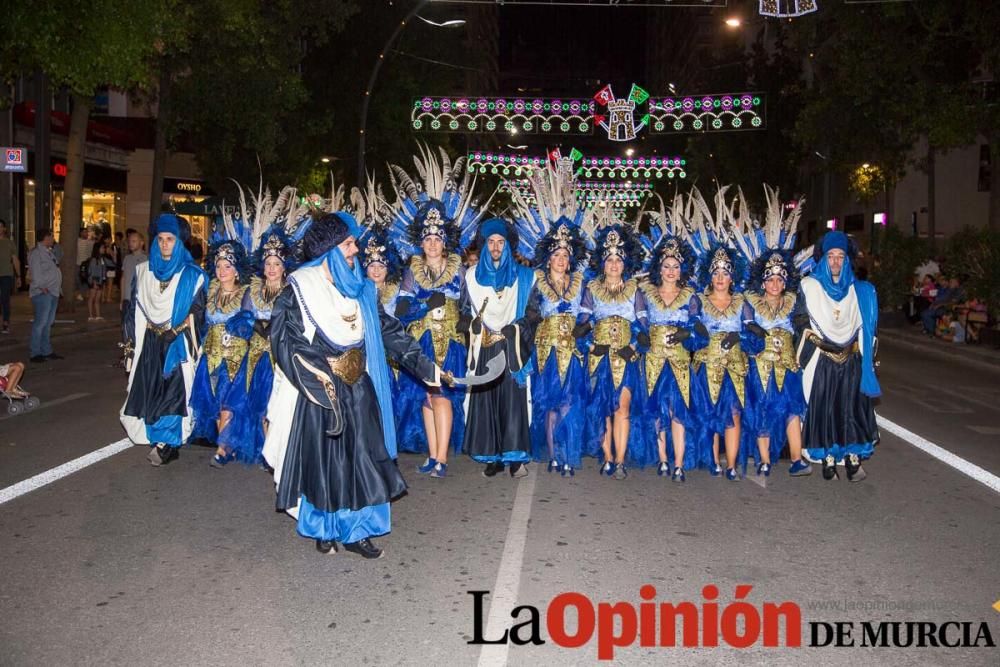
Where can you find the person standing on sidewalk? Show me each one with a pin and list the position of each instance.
(46, 286)
(10, 274)
(136, 256)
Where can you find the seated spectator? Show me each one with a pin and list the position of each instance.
(943, 329)
(10, 377)
(921, 296)
(948, 296)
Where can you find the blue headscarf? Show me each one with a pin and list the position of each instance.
(504, 272)
(165, 269)
(353, 284)
(835, 288)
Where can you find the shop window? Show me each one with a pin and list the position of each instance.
(104, 212)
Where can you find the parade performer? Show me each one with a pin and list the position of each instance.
(837, 354)
(166, 309)
(429, 228)
(613, 315)
(331, 439)
(558, 379)
(498, 288)
(775, 405)
(668, 295)
(379, 256)
(220, 381)
(718, 391)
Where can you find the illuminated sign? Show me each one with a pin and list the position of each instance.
(14, 159)
(188, 187)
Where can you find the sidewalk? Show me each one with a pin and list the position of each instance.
(913, 338)
(66, 324)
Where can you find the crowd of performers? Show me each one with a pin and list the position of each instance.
(328, 335)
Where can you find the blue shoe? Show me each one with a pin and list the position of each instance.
(800, 468)
(568, 471)
(220, 461)
(663, 469)
(679, 475)
(553, 466)
(427, 466)
(715, 470)
(608, 468)
(764, 469)
(731, 475)
(440, 470)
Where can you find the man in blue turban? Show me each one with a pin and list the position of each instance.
(166, 311)
(837, 355)
(496, 430)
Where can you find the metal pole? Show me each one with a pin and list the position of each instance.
(371, 85)
(43, 195)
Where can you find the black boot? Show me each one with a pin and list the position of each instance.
(326, 546)
(829, 467)
(492, 469)
(364, 548)
(855, 473)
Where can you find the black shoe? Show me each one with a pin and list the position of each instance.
(37, 359)
(855, 473)
(364, 548)
(829, 468)
(326, 546)
(518, 470)
(54, 356)
(492, 469)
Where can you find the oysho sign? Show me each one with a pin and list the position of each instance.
(183, 186)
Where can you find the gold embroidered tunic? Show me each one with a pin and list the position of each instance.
(778, 355)
(555, 332)
(717, 361)
(665, 319)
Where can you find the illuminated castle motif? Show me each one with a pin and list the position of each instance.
(564, 165)
(621, 120)
(787, 8)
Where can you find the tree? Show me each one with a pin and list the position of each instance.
(59, 39)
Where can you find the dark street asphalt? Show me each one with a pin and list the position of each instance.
(123, 563)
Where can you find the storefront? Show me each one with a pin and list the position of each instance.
(194, 200)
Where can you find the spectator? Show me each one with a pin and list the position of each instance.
(46, 286)
(84, 248)
(921, 296)
(96, 275)
(110, 268)
(10, 378)
(10, 274)
(135, 256)
(944, 328)
(949, 295)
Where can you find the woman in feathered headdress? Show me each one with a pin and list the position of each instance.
(219, 391)
(613, 315)
(550, 230)
(718, 389)
(668, 297)
(379, 256)
(429, 226)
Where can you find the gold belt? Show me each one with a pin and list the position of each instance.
(491, 338)
(556, 332)
(660, 354)
(615, 332)
(843, 356)
(349, 366)
(442, 324)
(220, 345)
(718, 362)
(778, 356)
(160, 329)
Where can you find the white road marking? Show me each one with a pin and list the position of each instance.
(504, 592)
(940, 453)
(57, 473)
(48, 404)
(759, 480)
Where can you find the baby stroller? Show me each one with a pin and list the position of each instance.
(18, 400)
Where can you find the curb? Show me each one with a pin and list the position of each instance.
(969, 357)
(12, 341)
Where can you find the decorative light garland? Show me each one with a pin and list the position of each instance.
(707, 113)
(620, 118)
(493, 114)
(787, 9)
(591, 193)
(633, 167)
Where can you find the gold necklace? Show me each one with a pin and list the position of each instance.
(352, 319)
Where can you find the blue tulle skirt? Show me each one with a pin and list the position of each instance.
(768, 412)
(243, 436)
(666, 404)
(711, 418)
(411, 396)
(207, 403)
(605, 398)
(566, 399)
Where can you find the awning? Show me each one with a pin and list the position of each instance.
(210, 206)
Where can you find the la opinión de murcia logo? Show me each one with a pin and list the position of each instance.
(737, 624)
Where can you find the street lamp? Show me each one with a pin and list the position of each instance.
(630, 152)
(734, 22)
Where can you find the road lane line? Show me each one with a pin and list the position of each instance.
(504, 593)
(49, 404)
(38, 481)
(940, 453)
